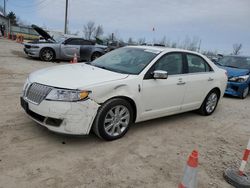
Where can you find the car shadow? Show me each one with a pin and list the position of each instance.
(135, 129)
(232, 97)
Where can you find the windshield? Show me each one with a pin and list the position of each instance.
(59, 38)
(126, 60)
(235, 62)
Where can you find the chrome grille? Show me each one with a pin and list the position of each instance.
(37, 92)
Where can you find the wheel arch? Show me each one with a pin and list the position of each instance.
(216, 89)
(47, 47)
(130, 101)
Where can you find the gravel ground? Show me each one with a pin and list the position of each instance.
(152, 153)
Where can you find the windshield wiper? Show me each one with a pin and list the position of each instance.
(230, 66)
(111, 69)
(102, 67)
(218, 64)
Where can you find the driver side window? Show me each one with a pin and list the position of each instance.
(172, 63)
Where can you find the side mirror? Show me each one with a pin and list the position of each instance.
(160, 74)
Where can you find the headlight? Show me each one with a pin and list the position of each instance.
(67, 95)
(239, 78)
(34, 46)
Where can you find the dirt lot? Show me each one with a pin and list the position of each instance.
(152, 154)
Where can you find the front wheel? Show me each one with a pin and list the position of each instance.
(210, 103)
(113, 119)
(47, 54)
(245, 92)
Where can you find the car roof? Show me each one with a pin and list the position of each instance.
(237, 56)
(164, 49)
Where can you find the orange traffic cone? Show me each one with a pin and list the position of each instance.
(75, 58)
(190, 172)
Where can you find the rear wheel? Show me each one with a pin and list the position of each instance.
(113, 119)
(245, 92)
(210, 103)
(47, 54)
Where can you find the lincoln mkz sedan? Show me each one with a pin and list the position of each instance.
(127, 85)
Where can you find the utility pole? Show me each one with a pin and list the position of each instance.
(4, 7)
(199, 48)
(66, 18)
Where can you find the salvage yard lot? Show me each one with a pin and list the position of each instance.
(151, 154)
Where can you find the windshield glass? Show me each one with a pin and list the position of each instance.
(126, 60)
(236, 62)
(59, 38)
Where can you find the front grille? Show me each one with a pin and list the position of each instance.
(37, 92)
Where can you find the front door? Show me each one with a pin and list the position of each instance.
(69, 48)
(163, 97)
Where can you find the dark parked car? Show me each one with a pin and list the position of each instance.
(62, 47)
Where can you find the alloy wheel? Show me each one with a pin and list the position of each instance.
(116, 120)
(47, 55)
(211, 102)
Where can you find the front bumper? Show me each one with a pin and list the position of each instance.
(32, 52)
(74, 118)
(235, 88)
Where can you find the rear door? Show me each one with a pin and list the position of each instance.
(70, 47)
(200, 77)
(86, 49)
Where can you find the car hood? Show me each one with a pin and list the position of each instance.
(43, 33)
(75, 76)
(232, 72)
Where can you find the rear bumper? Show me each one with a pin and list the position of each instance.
(74, 118)
(32, 52)
(235, 88)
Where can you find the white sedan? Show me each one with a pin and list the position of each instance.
(127, 85)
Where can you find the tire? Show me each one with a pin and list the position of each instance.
(210, 103)
(108, 125)
(47, 54)
(245, 93)
(95, 55)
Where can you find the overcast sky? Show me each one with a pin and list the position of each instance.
(218, 23)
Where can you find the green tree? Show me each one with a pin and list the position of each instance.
(13, 18)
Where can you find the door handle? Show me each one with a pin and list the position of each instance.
(210, 79)
(181, 83)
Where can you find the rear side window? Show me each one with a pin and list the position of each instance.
(77, 41)
(85, 42)
(73, 42)
(172, 63)
(197, 64)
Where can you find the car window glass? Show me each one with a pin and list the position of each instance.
(197, 64)
(126, 60)
(235, 61)
(76, 42)
(73, 42)
(85, 42)
(172, 63)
